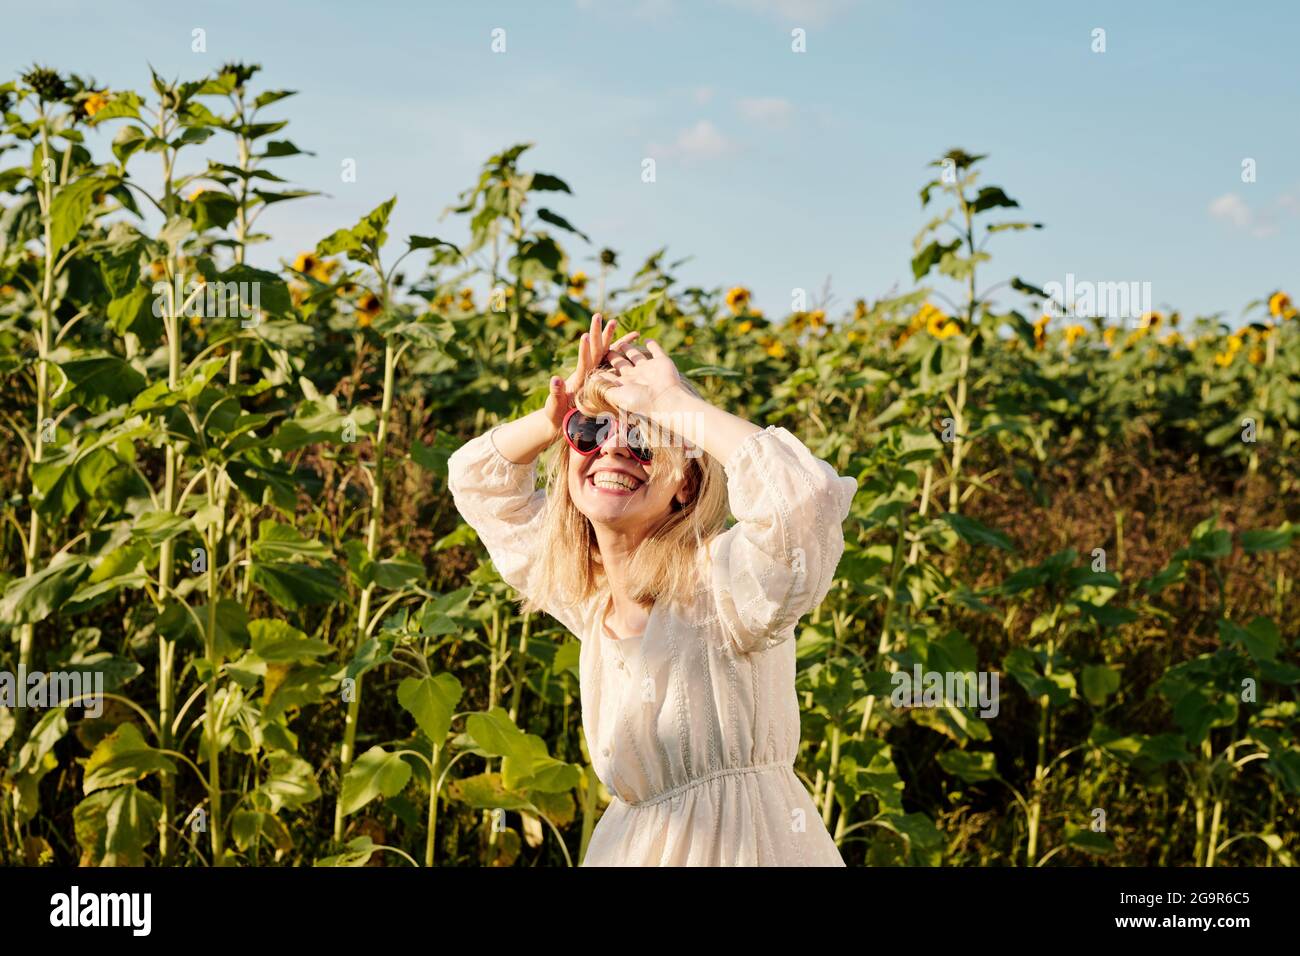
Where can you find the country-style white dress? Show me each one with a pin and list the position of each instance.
(693, 727)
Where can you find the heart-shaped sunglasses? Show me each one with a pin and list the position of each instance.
(587, 435)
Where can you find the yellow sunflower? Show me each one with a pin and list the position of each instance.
(737, 299)
(96, 102)
(1040, 330)
(577, 284)
(305, 263)
(1280, 307)
(368, 309)
(1073, 333)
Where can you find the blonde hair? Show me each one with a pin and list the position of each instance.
(668, 561)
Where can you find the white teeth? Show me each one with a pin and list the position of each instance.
(611, 480)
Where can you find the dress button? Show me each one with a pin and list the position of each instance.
(605, 751)
(622, 666)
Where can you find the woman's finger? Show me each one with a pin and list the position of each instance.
(622, 343)
(618, 360)
(655, 349)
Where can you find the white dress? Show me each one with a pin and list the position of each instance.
(693, 727)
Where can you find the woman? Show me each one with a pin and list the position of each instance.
(687, 662)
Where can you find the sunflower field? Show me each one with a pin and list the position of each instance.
(225, 511)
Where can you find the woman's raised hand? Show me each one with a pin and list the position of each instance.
(594, 345)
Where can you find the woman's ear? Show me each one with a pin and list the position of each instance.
(687, 491)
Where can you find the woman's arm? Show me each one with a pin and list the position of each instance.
(493, 478)
(523, 439)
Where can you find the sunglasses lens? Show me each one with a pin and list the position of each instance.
(586, 434)
(637, 444)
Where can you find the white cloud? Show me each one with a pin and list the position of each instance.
(1261, 223)
(701, 141)
(771, 111)
(703, 94)
(1231, 208)
(797, 12)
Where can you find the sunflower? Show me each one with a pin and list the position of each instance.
(1280, 307)
(746, 326)
(157, 270)
(556, 319)
(306, 263)
(1073, 333)
(324, 269)
(95, 102)
(859, 310)
(466, 302)
(368, 309)
(1109, 336)
(772, 346)
(939, 324)
(1172, 339)
(1150, 320)
(737, 299)
(1256, 355)
(577, 284)
(1040, 330)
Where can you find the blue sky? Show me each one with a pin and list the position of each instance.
(775, 170)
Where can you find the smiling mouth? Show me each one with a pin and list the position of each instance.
(616, 483)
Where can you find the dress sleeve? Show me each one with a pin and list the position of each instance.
(500, 500)
(778, 561)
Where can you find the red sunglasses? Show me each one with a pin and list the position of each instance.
(587, 435)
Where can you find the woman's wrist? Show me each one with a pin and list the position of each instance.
(522, 440)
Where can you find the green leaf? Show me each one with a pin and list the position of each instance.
(929, 257)
(1088, 840)
(290, 782)
(973, 532)
(123, 757)
(114, 827)
(1260, 637)
(1275, 539)
(557, 220)
(68, 211)
(32, 599)
(277, 641)
(358, 853)
(431, 701)
(98, 382)
(525, 762)
(967, 765)
(1099, 682)
(375, 773)
(991, 197)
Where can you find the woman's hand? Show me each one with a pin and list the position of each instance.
(594, 345)
(642, 379)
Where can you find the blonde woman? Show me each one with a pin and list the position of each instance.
(687, 661)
